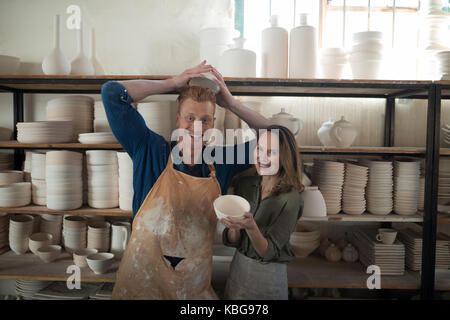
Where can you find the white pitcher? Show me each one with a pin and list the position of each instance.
(120, 235)
(344, 132)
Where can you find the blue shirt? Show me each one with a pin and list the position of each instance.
(150, 151)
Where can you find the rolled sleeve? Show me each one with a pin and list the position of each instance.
(227, 243)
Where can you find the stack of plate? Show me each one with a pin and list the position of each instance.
(433, 31)
(59, 290)
(406, 186)
(78, 109)
(27, 166)
(52, 223)
(104, 292)
(444, 181)
(6, 161)
(379, 187)
(367, 54)
(99, 235)
(413, 243)
(20, 229)
(329, 176)
(64, 180)
(27, 288)
(44, 132)
(97, 138)
(353, 200)
(15, 194)
(157, 116)
(304, 241)
(10, 176)
(39, 192)
(125, 181)
(74, 233)
(390, 258)
(101, 123)
(102, 169)
(38, 166)
(4, 232)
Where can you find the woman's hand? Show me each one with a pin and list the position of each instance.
(247, 222)
(224, 98)
(181, 81)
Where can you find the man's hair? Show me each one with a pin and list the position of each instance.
(198, 94)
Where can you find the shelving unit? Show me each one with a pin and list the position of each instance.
(309, 272)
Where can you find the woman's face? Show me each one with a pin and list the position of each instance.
(267, 154)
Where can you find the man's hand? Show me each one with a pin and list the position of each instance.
(181, 81)
(224, 98)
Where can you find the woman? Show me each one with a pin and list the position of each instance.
(258, 270)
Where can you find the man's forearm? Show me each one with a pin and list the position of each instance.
(140, 89)
(253, 118)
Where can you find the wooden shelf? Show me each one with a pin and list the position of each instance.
(34, 209)
(367, 217)
(17, 145)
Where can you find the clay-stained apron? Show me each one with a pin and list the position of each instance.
(176, 219)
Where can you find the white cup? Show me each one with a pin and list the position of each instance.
(120, 235)
(386, 236)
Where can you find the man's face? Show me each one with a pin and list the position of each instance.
(191, 111)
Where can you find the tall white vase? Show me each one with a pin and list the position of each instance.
(98, 69)
(303, 50)
(238, 62)
(56, 63)
(81, 65)
(274, 50)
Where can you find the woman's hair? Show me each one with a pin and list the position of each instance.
(198, 94)
(290, 168)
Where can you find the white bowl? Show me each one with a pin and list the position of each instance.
(367, 36)
(9, 65)
(49, 253)
(100, 262)
(363, 56)
(19, 245)
(80, 255)
(369, 46)
(369, 69)
(38, 240)
(230, 206)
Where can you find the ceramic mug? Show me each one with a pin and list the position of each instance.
(120, 235)
(386, 236)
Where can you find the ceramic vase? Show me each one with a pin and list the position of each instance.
(56, 63)
(98, 69)
(81, 65)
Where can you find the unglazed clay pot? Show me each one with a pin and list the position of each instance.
(324, 244)
(350, 254)
(333, 253)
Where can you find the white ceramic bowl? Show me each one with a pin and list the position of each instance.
(367, 36)
(100, 262)
(49, 253)
(230, 206)
(369, 69)
(80, 255)
(9, 65)
(363, 56)
(38, 240)
(19, 245)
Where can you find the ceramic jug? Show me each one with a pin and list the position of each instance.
(238, 61)
(119, 238)
(313, 202)
(287, 120)
(56, 63)
(324, 134)
(344, 133)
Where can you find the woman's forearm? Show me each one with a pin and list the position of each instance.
(258, 241)
(140, 89)
(253, 118)
(233, 235)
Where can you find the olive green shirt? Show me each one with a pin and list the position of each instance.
(276, 217)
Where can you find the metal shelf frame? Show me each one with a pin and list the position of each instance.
(433, 92)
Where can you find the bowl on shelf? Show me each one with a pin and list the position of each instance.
(80, 255)
(38, 240)
(230, 206)
(100, 262)
(49, 253)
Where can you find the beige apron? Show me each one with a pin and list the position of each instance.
(176, 219)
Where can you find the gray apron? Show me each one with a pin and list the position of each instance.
(250, 279)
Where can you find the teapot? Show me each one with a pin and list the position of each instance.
(344, 133)
(324, 134)
(287, 120)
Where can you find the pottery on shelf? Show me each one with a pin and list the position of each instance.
(237, 61)
(287, 120)
(350, 254)
(81, 65)
(56, 63)
(98, 69)
(313, 202)
(274, 50)
(303, 50)
(333, 253)
(344, 133)
(324, 244)
(324, 134)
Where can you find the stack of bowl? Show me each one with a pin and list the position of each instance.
(103, 188)
(64, 180)
(4, 221)
(6, 161)
(38, 240)
(20, 229)
(443, 58)
(304, 241)
(52, 223)
(99, 235)
(406, 186)
(126, 191)
(157, 116)
(101, 123)
(78, 109)
(38, 185)
(15, 194)
(74, 233)
(433, 25)
(353, 200)
(44, 132)
(10, 176)
(332, 62)
(26, 289)
(329, 176)
(367, 54)
(97, 138)
(379, 187)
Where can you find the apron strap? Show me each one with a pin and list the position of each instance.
(211, 167)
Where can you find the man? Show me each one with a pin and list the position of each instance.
(169, 255)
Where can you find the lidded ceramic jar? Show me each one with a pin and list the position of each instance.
(344, 133)
(324, 134)
(287, 120)
(313, 202)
